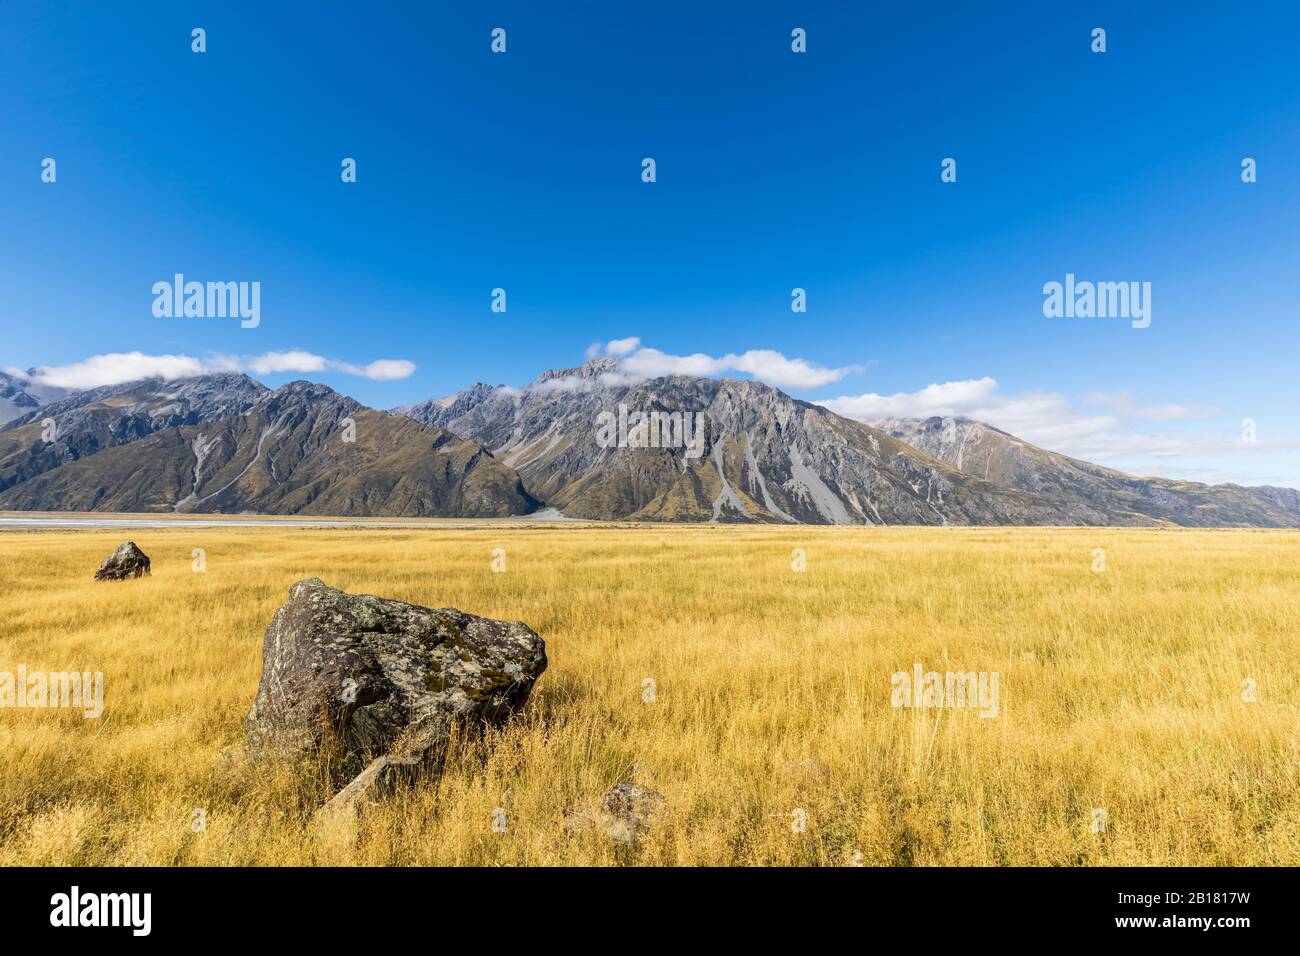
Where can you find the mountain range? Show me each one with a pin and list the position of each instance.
(227, 444)
(584, 441)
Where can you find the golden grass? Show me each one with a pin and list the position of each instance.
(1120, 690)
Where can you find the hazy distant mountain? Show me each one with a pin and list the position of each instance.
(287, 452)
(90, 421)
(19, 395)
(987, 452)
(15, 400)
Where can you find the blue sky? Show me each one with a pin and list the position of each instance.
(775, 170)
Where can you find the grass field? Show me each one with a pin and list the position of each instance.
(1121, 690)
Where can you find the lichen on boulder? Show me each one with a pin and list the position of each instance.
(379, 677)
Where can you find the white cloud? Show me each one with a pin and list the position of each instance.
(619, 347)
(293, 361)
(775, 369)
(1122, 401)
(118, 367)
(950, 398)
(1041, 417)
(382, 370)
(1049, 419)
(636, 363)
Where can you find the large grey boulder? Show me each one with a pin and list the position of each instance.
(127, 561)
(384, 680)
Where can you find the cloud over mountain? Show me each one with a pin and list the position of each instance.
(115, 368)
(637, 362)
(1052, 420)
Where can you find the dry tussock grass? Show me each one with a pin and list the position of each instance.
(1120, 690)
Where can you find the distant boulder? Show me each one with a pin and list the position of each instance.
(626, 812)
(128, 561)
(383, 680)
(629, 811)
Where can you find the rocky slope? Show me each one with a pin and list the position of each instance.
(768, 457)
(90, 421)
(286, 453)
(763, 457)
(987, 452)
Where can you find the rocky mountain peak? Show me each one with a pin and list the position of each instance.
(590, 370)
(301, 400)
(303, 390)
